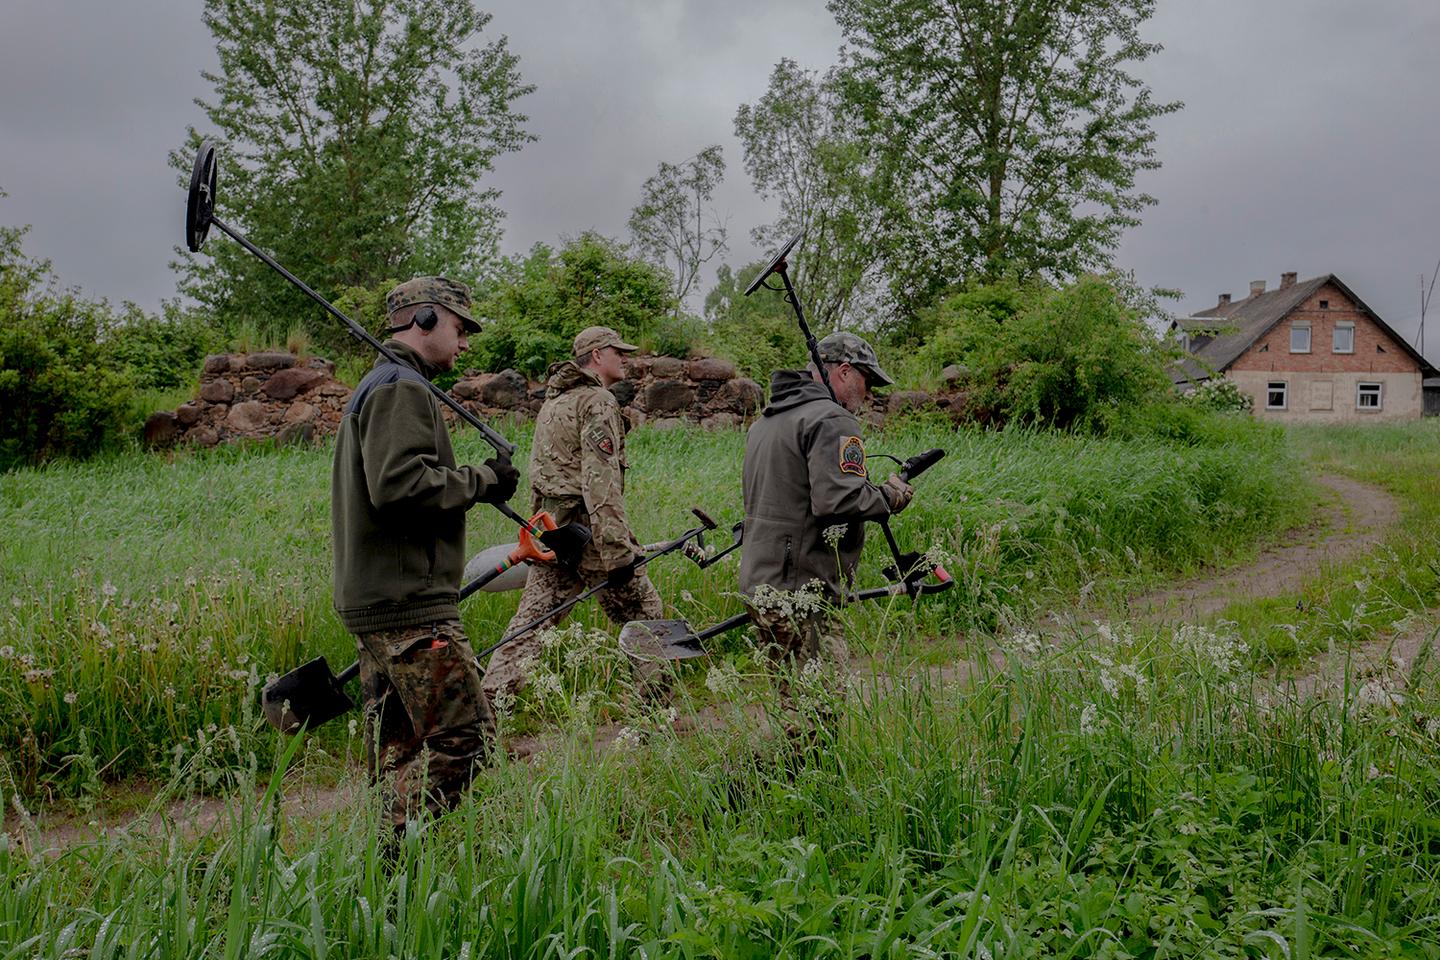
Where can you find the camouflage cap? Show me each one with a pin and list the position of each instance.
(451, 294)
(845, 347)
(598, 338)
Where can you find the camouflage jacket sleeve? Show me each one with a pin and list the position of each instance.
(602, 479)
(839, 479)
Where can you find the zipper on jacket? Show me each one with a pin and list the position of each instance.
(785, 568)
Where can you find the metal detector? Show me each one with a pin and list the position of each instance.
(677, 640)
(312, 694)
(566, 542)
(903, 568)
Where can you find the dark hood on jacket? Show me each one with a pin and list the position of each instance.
(792, 388)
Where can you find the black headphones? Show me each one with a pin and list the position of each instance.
(425, 318)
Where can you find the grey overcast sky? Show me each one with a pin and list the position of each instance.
(1308, 141)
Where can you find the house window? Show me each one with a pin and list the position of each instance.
(1300, 338)
(1324, 304)
(1275, 395)
(1344, 338)
(1367, 396)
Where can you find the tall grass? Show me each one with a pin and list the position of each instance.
(1117, 796)
(144, 599)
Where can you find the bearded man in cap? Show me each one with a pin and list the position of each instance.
(577, 475)
(398, 502)
(807, 496)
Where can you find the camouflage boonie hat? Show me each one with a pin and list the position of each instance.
(598, 338)
(845, 347)
(451, 294)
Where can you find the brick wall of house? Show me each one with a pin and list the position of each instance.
(1375, 352)
(1322, 385)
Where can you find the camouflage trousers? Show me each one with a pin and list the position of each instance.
(786, 637)
(428, 725)
(546, 588)
(809, 651)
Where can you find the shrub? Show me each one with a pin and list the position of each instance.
(1222, 396)
(1067, 358)
(535, 305)
(61, 391)
(756, 333)
(165, 351)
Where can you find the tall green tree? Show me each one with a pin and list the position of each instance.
(1014, 129)
(671, 225)
(803, 147)
(355, 136)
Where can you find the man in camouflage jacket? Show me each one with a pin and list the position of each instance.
(398, 503)
(577, 474)
(807, 497)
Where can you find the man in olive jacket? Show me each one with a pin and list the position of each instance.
(807, 497)
(577, 475)
(398, 503)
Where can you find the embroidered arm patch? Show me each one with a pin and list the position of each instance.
(852, 456)
(602, 440)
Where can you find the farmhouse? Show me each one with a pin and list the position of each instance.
(1310, 351)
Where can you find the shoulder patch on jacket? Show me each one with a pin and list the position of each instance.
(602, 440)
(852, 456)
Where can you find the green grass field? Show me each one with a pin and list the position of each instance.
(1128, 791)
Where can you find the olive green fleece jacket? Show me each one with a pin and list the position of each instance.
(398, 502)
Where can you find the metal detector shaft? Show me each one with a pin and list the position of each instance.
(671, 547)
(502, 446)
(875, 593)
(810, 342)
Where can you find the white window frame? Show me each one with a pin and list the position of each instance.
(1296, 328)
(1284, 391)
(1362, 390)
(1342, 325)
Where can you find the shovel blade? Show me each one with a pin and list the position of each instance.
(309, 694)
(660, 640)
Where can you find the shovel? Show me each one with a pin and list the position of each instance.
(677, 640)
(312, 694)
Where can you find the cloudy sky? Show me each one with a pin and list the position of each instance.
(1309, 140)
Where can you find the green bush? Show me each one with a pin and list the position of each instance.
(60, 388)
(1222, 396)
(757, 333)
(1068, 358)
(165, 351)
(535, 305)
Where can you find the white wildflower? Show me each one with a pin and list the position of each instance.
(16, 602)
(687, 596)
(548, 685)
(722, 679)
(71, 697)
(1377, 693)
(6, 652)
(108, 589)
(1108, 681)
(1103, 631)
(99, 629)
(190, 581)
(1372, 773)
(1024, 642)
(628, 738)
(833, 534)
(1089, 718)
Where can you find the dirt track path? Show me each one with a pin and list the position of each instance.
(1354, 518)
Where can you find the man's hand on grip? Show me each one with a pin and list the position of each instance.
(507, 478)
(898, 493)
